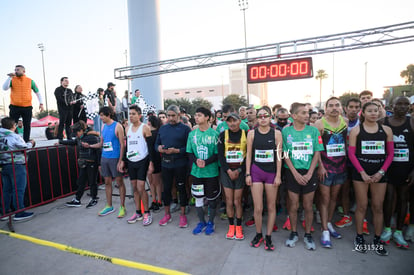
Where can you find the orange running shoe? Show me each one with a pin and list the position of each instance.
(344, 222)
(230, 233)
(239, 233)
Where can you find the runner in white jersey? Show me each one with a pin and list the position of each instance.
(137, 157)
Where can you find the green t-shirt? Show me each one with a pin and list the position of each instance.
(223, 126)
(203, 145)
(301, 145)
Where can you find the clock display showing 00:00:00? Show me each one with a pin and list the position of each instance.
(280, 70)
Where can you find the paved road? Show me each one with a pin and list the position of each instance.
(176, 249)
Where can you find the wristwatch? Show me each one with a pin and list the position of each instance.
(247, 175)
(381, 172)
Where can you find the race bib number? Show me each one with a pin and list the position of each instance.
(401, 155)
(335, 150)
(302, 148)
(132, 155)
(263, 156)
(107, 146)
(373, 147)
(234, 156)
(197, 190)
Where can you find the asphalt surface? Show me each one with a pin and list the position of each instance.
(175, 248)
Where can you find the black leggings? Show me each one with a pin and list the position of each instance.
(168, 175)
(87, 174)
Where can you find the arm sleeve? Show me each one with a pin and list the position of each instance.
(7, 84)
(192, 158)
(211, 159)
(150, 145)
(220, 149)
(353, 159)
(390, 155)
(39, 97)
(68, 141)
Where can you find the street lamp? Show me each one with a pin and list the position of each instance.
(244, 4)
(42, 49)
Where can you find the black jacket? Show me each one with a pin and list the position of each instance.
(78, 113)
(86, 153)
(63, 98)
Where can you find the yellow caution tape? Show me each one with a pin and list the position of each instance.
(91, 254)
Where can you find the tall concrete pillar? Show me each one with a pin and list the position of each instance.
(143, 22)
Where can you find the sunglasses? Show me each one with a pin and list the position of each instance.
(263, 116)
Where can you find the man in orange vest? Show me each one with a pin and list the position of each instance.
(21, 98)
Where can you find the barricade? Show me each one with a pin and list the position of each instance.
(51, 174)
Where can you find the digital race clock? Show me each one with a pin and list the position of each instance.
(280, 70)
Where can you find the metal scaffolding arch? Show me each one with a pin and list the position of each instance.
(367, 38)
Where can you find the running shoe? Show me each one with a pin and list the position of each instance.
(23, 216)
(304, 226)
(174, 207)
(92, 203)
(399, 239)
(210, 228)
(223, 216)
(107, 210)
(134, 218)
(239, 233)
(250, 222)
(275, 228)
(380, 248)
(154, 207)
(293, 238)
(258, 239)
(344, 222)
(183, 221)
(268, 245)
(309, 243)
(122, 212)
(287, 226)
(201, 226)
(365, 230)
(231, 233)
(386, 236)
(166, 219)
(73, 203)
(333, 232)
(360, 245)
(409, 233)
(326, 239)
(147, 219)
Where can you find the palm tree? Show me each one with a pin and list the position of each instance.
(321, 74)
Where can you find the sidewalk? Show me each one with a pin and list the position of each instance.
(175, 248)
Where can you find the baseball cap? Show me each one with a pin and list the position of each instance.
(233, 116)
(110, 84)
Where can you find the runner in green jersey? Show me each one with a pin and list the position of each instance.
(202, 151)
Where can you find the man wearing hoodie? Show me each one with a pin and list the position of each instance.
(13, 174)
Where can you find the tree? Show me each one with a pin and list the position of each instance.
(236, 100)
(46, 113)
(408, 74)
(346, 96)
(189, 106)
(321, 75)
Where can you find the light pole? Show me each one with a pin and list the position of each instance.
(244, 4)
(333, 73)
(42, 49)
(366, 70)
(126, 65)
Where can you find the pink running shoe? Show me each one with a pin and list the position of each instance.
(166, 219)
(183, 221)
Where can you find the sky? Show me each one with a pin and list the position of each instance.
(86, 39)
